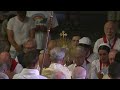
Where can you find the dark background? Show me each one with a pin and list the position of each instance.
(83, 23)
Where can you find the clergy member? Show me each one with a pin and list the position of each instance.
(110, 37)
(100, 67)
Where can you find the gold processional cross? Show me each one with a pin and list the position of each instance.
(63, 35)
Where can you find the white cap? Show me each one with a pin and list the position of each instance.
(79, 73)
(104, 44)
(85, 40)
(57, 53)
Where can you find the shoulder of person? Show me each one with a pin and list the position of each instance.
(18, 68)
(19, 65)
(93, 56)
(12, 19)
(42, 77)
(95, 62)
(15, 76)
(106, 76)
(99, 40)
(72, 65)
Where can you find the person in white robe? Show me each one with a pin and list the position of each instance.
(71, 49)
(110, 37)
(31, 60)
(57, 57)
(79, 73)
(112, 55)
(87, 44)
(10, 66)
(28, 45)
(100, 67)
(11, 63)
(80, 56)
(42, 19)
(53, 74)
(19, 28)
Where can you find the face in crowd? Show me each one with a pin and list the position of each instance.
(80, 55)
(110, 29)
(112, 54)
(103, 52)
(75, 41)
(21, 14)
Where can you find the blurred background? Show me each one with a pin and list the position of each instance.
(83, 23)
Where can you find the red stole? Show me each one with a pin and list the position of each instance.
(14, 63)
(105, 41)
(101, 65)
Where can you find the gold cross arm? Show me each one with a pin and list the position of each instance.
(63, 34)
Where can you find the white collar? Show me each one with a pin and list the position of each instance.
(26, 71)
(56, 64)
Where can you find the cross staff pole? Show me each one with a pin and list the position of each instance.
(47, 40)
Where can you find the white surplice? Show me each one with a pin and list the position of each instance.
(29, 74)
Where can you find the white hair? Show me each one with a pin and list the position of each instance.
(3, 76)
(79, 73)
(57, 53)
(53, 74)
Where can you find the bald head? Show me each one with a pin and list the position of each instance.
(110, 29)
(112, 54)
(59, 75)
(79, 73)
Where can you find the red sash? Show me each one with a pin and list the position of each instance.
(105, 41)
(14, 63)
(101, 65)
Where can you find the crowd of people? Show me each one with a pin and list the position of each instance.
(23, 52)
